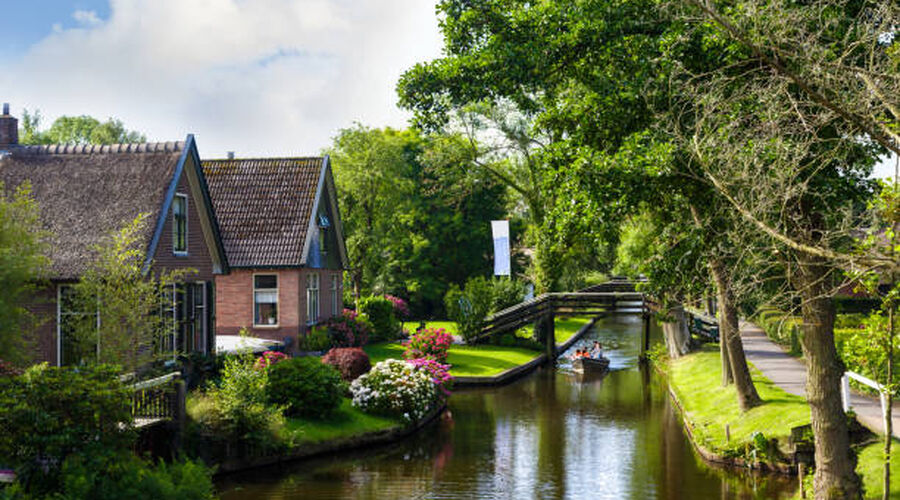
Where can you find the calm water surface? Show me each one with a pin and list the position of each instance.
(548, 435)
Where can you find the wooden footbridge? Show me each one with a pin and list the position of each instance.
(617, 296)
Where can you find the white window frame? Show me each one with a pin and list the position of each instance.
(335, 292)
(175, 250)
(312, 298)
(277, 301)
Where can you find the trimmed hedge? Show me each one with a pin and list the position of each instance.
(306, 386)
(781, 327)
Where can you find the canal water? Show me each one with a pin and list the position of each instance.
(551, 434)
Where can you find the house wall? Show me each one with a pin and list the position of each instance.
(198, 255)
(234, 302)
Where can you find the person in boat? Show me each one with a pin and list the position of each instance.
(597, 351)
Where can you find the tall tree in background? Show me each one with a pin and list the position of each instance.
(23, 263)
(76, 130)
(414, 219)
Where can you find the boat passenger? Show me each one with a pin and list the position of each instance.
(597, 351)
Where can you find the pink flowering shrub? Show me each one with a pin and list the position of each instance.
(428, 343)
(401, 308)
(439, 373)
(349, 329)
(269, 358)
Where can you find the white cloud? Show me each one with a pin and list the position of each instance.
(86, 17)
(267, 77)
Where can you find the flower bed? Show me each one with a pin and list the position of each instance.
(406, 389)
(428, 343)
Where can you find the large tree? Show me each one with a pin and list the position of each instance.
(415, 218)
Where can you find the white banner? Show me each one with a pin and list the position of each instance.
(500, 230)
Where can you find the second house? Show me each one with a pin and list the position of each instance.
(282, 235)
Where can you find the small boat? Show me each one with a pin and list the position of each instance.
(590, 365)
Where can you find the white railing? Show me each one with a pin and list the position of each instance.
(882, 393)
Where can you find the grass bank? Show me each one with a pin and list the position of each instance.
(345, 422)
(696, 381)
(566, 328)
(449, 326)
(466, 361)
(478, 360)
(870, 466)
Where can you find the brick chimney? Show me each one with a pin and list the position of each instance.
(9, 128)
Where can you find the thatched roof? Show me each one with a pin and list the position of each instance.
(87, 192)
(264, 207)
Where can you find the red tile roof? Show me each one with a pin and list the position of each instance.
(263, 207)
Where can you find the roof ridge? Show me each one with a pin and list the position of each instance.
(138, 147)
(263, 158)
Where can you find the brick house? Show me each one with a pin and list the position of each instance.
(282, 234)
(85, 193)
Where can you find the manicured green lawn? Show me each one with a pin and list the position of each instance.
(449, 326)
(709, 406)
(565, 328)
(870, 466)
(345, 422)
(466, 361)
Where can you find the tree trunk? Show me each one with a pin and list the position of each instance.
(730, 336)
(678, 338)
(888, 423)
(835, 476)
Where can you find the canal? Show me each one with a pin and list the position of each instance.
(551, 434)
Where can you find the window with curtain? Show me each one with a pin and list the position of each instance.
(265, 300)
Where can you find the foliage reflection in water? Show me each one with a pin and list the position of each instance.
(549, 435)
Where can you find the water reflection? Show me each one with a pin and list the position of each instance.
(549, 435)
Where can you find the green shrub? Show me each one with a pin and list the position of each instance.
(238, 408)
(49, 413)
(123, 475)
(306, 387)
(380, 312)
(506, 292)
(469, 307)
(316, 340)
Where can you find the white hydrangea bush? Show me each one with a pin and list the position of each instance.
(396, 388)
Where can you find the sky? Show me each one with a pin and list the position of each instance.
(257, 77)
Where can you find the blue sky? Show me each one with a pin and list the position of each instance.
(258, 77)
(27, 22)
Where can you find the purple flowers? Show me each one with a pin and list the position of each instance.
(438, 372)
(348, 330)
(401, 309)
(428, 343)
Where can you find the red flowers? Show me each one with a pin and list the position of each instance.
(269, 358)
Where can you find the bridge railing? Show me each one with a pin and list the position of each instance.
(528, 312)
(158, 399)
